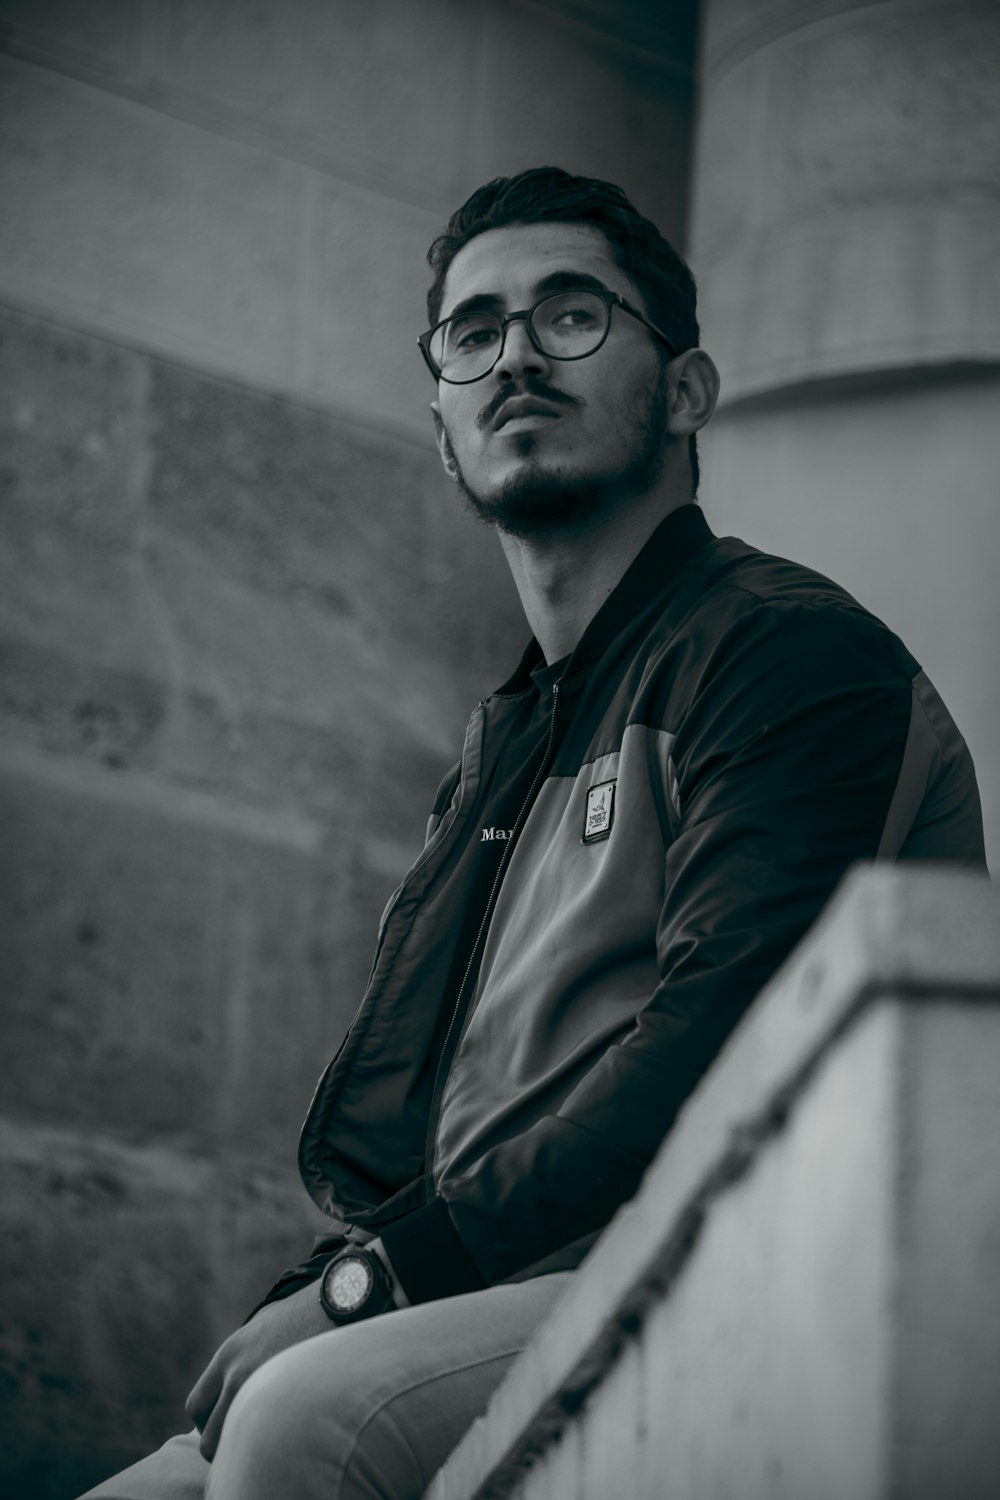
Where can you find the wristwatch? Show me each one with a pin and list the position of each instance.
(354, 1285)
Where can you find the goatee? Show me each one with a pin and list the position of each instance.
(538, 502)
(541, 502)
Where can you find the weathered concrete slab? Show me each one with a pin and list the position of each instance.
(172, 235)
(943, 1435)
(105, 935)
(330, 518)
(203, 580)
(753, 1285)
(307, 75)
(70, 429)
(370, 286)
(159, 958)
(58, 703)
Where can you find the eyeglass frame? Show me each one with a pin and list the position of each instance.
(609, 298)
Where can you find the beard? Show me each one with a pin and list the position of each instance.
(537, 501)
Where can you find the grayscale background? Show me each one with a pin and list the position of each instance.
(242, 615)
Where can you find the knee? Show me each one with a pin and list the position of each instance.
(270, 1440)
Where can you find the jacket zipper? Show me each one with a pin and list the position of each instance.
(421, 859)
(444, 1062)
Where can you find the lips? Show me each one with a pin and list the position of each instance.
(524, 406)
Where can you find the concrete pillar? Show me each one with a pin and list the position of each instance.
(846, 237)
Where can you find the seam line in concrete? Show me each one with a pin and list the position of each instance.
(202, 116)
(60, 311)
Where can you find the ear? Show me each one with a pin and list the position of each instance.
(694, 390)
(444, 444)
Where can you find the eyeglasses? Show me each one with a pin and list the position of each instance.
(569, 325)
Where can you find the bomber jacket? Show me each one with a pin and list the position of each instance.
(732, 731)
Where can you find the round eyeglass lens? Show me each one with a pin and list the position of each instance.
(567, 326)
(570, 325)
(464, 348)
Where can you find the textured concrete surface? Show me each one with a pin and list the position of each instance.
(773, 1352)
(795, 1303)
(156, 956)
(130, 1264)
(242, 617)
(239, 638)
(255, 191)
(846, 212)
(167, 224)
(251, 62)
(948, 1361)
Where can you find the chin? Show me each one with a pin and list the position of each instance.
(537, 502)
(541, 500)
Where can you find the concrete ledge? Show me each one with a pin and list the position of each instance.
(913, 935)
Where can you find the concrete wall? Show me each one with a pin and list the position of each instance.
(241, 618)
(800, 1300)
(846, 235)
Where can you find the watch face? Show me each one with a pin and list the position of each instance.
(349, 1283)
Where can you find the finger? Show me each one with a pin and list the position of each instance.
(202, 1400)
(213, 1427)
(200, 1413)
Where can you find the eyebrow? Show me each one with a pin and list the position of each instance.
(555, 281)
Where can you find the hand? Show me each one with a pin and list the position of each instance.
(276, 1327)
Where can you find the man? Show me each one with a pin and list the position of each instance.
(647, 817)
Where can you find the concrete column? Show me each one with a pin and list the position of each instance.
(846, 237)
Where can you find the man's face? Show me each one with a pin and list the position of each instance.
(540, 444)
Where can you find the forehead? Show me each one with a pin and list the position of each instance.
(509, 263)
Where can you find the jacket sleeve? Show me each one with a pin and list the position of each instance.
(787, 757)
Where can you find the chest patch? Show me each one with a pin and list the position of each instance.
(600, 812)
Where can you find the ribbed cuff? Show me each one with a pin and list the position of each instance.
(427, 1255)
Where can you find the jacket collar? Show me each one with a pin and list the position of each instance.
(674, 542)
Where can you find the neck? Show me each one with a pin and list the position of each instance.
(564, 579)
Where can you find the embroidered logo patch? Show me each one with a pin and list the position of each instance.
(600, 811)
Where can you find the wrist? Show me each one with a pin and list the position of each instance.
(399, 1297)
(355, 1285)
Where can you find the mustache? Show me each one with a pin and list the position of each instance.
(530, 386)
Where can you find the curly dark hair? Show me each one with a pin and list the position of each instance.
(550, 194)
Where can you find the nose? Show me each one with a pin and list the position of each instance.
(519, 355)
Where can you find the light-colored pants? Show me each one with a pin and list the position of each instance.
(369, 1410)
